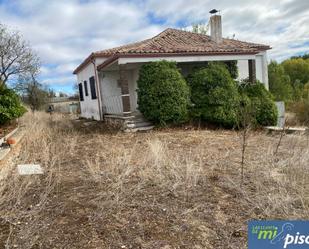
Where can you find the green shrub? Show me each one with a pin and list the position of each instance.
(232, 67)
(214, 95)
(262, 102)
(301, 109)
(10, 105)
(279, 82)
(163, 95)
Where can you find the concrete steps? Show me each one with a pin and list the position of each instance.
(137, 123)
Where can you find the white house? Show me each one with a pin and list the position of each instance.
(108, 79)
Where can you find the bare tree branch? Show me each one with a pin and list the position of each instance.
(16, 56)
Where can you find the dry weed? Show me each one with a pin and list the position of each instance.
(175, 189)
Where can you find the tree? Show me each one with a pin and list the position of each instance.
(297, 69)
(61, 94)
(35, 95)
(245, 121)
(306, 91)
(16, 56)
(163, 94)
(298, 88)
(200, 28)
(305, 57)
(51, 93)
(279, 82)
(214, 95)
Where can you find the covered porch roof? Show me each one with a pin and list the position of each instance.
(113, 62)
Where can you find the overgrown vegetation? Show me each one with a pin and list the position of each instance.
(279, 82)
(214, 95)
(231, 66)
(18, 60)
(263, 109)
(167, 189)
(163, 95)
(33, 93)
(287, 80)
(10, 105)
(301, 109)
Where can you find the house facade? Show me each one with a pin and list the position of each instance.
(107, 79)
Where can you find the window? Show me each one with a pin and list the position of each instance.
(86, 88)
(81, 95)
(92, 88)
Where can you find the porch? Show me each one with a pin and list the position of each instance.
(118, 79)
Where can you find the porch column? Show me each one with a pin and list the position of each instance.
(252, 71)
(124, 85)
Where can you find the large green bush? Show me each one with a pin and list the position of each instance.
(231, 66)
(264, 109)
(279, 82)
(10, 105)
(163, 95)
(214, 95)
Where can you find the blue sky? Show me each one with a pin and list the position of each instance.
(64, 32)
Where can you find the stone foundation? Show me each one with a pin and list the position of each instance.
(114, 122)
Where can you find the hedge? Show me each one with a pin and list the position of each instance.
(262, 102)
(214, 95)
(163, 94)
(10, 105)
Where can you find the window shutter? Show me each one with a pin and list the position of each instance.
(92, 88)
(86, 88)
(81, 95)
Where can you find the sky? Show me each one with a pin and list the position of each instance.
(64, 32)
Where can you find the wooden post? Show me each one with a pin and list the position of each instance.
(124, 85)
(252, 71)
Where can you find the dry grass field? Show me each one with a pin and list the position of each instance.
(163, 189)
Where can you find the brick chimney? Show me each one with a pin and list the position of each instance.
(216, 28)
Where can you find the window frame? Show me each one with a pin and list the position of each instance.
(86, 88)
(92, 88)
(81, 92)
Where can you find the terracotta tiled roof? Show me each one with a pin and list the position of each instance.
(178, 41)
(173, 41)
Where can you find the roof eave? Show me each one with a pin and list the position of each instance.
(90, 58)
(107, 62)
(115, 57)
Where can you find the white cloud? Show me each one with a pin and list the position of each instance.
(65, 32)
(277, 23)
(59, 80)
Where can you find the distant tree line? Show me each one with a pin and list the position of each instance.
(289, 80)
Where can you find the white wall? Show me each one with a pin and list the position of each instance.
(89, 107)
(111, 92)
(243, 69)
(261, 69)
